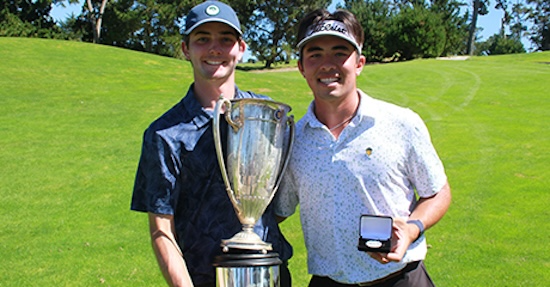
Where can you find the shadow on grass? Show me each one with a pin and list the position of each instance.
(252, 68)
(261, 67)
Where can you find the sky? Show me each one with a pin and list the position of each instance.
(490, 22)
(60, 13)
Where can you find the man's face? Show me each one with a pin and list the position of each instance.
(330, 66)
(214, 50)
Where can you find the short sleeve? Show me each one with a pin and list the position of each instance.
(155, 177)
(426, 170)
(286, 198)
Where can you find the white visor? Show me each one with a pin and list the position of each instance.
(329, 28)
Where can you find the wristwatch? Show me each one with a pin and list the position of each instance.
(420, 226)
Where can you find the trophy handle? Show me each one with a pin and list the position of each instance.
(287, 154)
(217, 140)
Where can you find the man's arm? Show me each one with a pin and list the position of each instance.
(429, 211)
(167, 251)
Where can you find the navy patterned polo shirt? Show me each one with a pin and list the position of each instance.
(178, 174)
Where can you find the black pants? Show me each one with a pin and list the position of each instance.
(286, 280)
(413, 275)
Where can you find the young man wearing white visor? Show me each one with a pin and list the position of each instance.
(356, 156)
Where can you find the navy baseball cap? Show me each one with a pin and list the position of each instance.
(211, 11)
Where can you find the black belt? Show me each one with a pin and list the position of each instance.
(378, 282)
(409, 267)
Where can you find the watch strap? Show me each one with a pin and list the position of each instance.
(419, 224)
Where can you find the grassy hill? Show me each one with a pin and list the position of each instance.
(72, 117)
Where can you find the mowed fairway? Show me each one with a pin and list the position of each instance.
(72, 117)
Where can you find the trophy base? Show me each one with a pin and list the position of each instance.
(247, 240)
(245, 270)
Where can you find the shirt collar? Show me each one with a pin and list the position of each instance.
(365, 105)
(200, 116)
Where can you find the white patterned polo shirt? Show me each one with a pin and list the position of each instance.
(381, 157)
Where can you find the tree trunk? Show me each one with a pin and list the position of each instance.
(268, 63)
(473, 26)
(96, 21)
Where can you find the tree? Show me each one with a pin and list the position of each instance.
(375, 17)
(156, 25)
(122, 21)
(529, 18)
(406, 29)
(479, 7)
(270, 26)
(514, 19)
(503, 43)
(96, 18)
(503, 5)
(416, 32)
(539, 14)
(144, 25)
(500, 44)
(454, 24)
(517, 21)
(21, 18)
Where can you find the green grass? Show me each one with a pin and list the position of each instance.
(72, 116)
(489, 121)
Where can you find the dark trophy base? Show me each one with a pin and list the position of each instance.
(245, 268)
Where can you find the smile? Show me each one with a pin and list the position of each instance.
(214, 63)
(328, 80)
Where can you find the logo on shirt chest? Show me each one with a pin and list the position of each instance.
(368, 151)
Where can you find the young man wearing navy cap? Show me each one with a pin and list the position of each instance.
(178, 181)
(354, 155)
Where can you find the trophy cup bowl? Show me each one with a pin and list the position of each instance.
(256, 157)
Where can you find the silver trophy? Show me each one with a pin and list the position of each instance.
(257, 152)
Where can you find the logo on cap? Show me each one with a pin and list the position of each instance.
(329, 28)
(212, 10)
